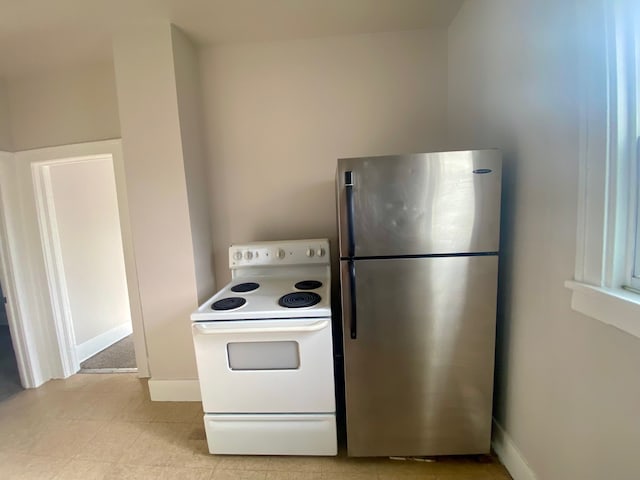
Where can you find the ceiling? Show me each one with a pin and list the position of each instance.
(44, 34)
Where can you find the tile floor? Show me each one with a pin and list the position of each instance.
(105, 427)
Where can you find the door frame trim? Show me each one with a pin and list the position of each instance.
(45, 358)
(52, 251)
(8, 261)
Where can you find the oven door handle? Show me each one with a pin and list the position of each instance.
(215, 330)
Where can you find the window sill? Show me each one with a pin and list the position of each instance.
(616, 307)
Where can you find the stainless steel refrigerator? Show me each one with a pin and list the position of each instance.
(419, 238)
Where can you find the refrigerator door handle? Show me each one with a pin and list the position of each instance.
(352, 290)
(348, 182)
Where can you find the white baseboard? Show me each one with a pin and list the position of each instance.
(510, 455)
(174, 390)
(102, 341)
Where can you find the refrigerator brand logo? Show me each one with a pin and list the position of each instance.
(481, 171)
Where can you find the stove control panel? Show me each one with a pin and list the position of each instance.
(288, 252)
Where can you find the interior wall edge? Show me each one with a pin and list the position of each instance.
(187, 390)
(190, 116)
(510, 455)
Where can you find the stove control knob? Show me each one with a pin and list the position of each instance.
(310, 252)
(320, 252)
(280, 254)
(248, 255)
(237, 256)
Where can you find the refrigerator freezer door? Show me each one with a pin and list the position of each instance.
(442, 203)
(419, 372)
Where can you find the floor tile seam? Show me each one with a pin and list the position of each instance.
(68, 428)
(299, 471)
(5, 410)
(7, 450)
(277, 470)
(172, 422)
(82, 455)
(188, 459)
(166, 437)
(57, 475)
(459, 476)
(110, 442)
(53, 452)
(154, 444)
(25, 466)
(42, 434)
(407, 477)
(45, 455)
(96, 460)
(257, 470)
(186, 467)
(107, 434)
(295, 470)
(132, 464)
(24, 454)
(119, 420)
(132, 421)
(76, 421)
(85, 416)
(18, 434)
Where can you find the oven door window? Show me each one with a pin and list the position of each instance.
(263, 355)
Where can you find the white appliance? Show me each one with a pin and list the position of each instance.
(264, 352)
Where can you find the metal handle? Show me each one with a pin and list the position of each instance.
(351, 243)
(209, 329)
(352, 288)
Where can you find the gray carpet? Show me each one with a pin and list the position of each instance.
(9, 376)
(119, 355)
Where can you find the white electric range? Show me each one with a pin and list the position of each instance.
(264, 352)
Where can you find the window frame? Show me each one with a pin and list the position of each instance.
(634, 222)
(606, 253)
(633, 252)
(622, 135)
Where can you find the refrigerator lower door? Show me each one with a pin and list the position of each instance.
(419, 372)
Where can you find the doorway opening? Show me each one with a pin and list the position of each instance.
(9, 375)
(77, 208)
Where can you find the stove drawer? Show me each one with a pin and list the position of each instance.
(276, 367)
(276, 434)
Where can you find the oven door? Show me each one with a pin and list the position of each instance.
(265, 366)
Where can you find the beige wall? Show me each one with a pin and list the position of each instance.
(191, 133)
(86, 213)
(278, 115)
(157, 195)
(6, 144)
(567, 387)
(62, 107)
